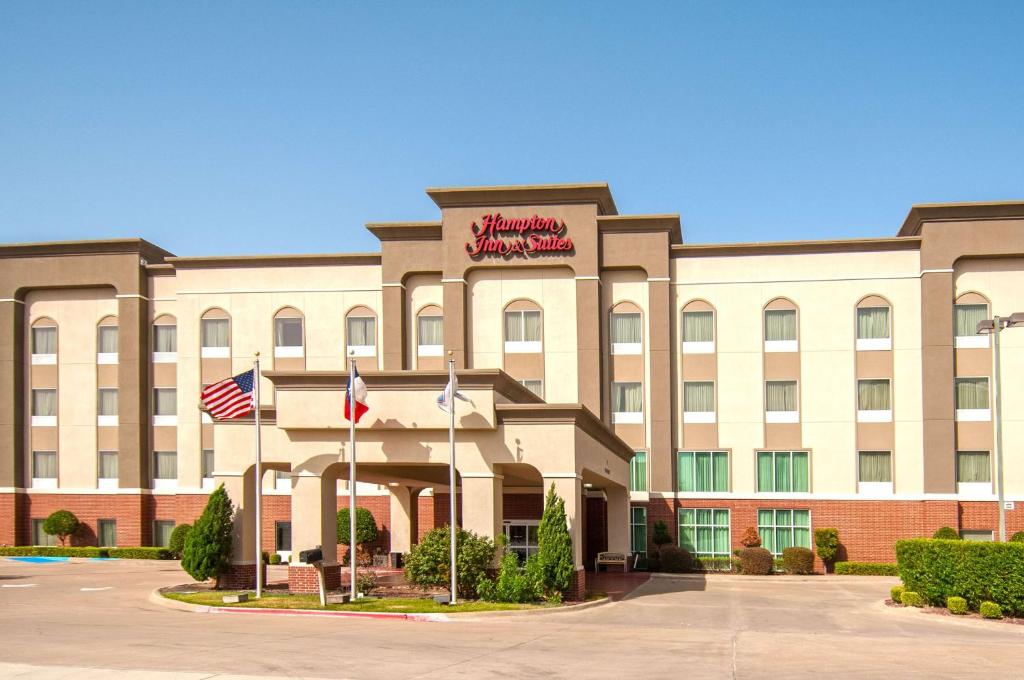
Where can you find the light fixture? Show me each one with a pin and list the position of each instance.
(986, 326)
(1015, 319)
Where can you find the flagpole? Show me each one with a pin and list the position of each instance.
(259, 480)
(352, 478)
(451, 472)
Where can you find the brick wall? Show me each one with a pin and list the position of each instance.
(303, 579)
(8, 526)
(523, 505)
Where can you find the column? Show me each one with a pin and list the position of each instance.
(659, 410)
(133, 393)
(12, 415)
(482, 498)
(618, 519)
(314, 523)
(404, 517)
(241, 491)
(570, 489)
(394, 332)
(588, 343)
(937, 356)
(454, 295)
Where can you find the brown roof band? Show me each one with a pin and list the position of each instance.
(525, 194)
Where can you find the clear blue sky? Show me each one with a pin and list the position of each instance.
(224, 128)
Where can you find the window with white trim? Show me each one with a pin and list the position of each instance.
(106, 469)
(974, 473)
(106, 406)
(780, 330)
(215, 338)
(698, 401)
(783, 472)
(162, 530)
(165, 343)
(430, 335)
(44, 343)
(288, 337)
(638, 530)
(165, 406)
(626, 332)
(207, 467)
(873, 329)
(638, 471)
(703, 471)
(165, 469)
(361, 335)
(106, 533)
(965, 325)
(705, 532)
(972, 399)
(627, 402)
(44, 407)
(874, 401)
(44, 469)
(106, 344)
(781, 401)
(283, 537)
(522, 331)
(781, 529)
(698, 332)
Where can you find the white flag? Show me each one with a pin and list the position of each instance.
(444, 400)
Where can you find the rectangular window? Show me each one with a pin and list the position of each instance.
(626, 333)
(283, 537)
(874, 467)
(638, 530)
(106, 469)
(165, 339)
(705, 531)
(288, 337)
(165, 465)
(972, 401)
(698, 402)
(44, 469)
(214, 332)
(872, 323)
(535, 386)
(874, 401)
(162, 529)
(106, 533)
(40, 537)
(44, 340)
(977, 535)
(106, 406)
(165, 401)
(522, 538)
(780, 325)
(44, 407)
(430, 334)
(703, 471)
(638, 471)
(780, 401)
(698, 327)
(207, 464)
(362, 335)
(781, 529)
(627, 402)
(522, 331)
(973, 467)
(966, 318)
(106, 340)
(783, 472)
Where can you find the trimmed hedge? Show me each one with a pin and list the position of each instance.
(867, 569)
(675, 560)
(990, 610)
(756, 561)
(798, 561)
(715, 564)
(1017, 537)
(896, 594)
(947, 533)
(911, 599)
(117, 553)
(975, 571)
(956, 605)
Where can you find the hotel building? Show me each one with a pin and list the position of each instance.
(781, 386)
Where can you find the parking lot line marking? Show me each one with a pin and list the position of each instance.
(19, 585)
(89, 590)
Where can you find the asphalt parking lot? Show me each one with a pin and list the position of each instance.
(93, 620)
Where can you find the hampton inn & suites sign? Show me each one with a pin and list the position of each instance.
(499, 236)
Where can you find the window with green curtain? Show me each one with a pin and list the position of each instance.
(972, 467)
(106, 401)
(966, 318)
(288, 331)
(44, 465)
(522, 326)
(783, 471)
(44, 340)
(781, 529)
(165, 401)
(107, 533)
(872, 323)
(780, 395)
(873, 395)
(698, 397)
(106, 340)
(638, 530)
(779, 324)
(625, 327)
(430, 329)
(165, 465)
(638, 472)
(361, 330)
(874, 466)
(698, 326)
(44, 402)
(972, 393)
(703, 471)
(214, 332)
(627, 397)
(165, 338)
(107, 464)
(704, 531)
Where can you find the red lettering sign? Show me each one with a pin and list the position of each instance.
(506, 237)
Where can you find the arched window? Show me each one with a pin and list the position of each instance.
(970, 308)
(781, 330)
(430, 332)
(523, 327)
(215, 334)
(106, 340)
(625, 329)
(44, 341)
(288, 333)
(165, 339)
(698, 328)
(361, 332)
(874, 324)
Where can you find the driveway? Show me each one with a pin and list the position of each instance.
(92, 619)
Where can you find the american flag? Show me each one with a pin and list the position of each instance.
(229, 398)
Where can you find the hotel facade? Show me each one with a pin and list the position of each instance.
(780, 386)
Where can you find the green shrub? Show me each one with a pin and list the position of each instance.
(276, 559)
(956, 605)
(714, 564)
(513, 584)
(826, 542)
(207, 552)
(755, 561)
(946, 533)
(554, 546)
(896, 594)
(61, 524)
(911, 599)
(366, 581)
(177, 543)
(990, 610)
(675, 560)
(777, 566)
(140, 553)
(366, 527)
(428, 562)
(866, 569)
(660, 535)
(48, 551)
(938, 569)
(1017, 537)
(798, 561)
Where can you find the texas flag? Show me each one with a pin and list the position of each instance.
(356, 391)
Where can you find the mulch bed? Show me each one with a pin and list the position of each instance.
(942, 611)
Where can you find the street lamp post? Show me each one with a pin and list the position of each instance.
(994, 327)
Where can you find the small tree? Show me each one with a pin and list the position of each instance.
(61, 524)
(428, 563)
(554, 545)
(826, 541)
(946, 533)
(366, 527)
(177, 543)
(207, 552)
(751, 539)
(1018, 537)
(660, 535)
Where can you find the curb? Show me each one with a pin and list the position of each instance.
(547, 611)
(815, 578)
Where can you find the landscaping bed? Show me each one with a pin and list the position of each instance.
(943, 611)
